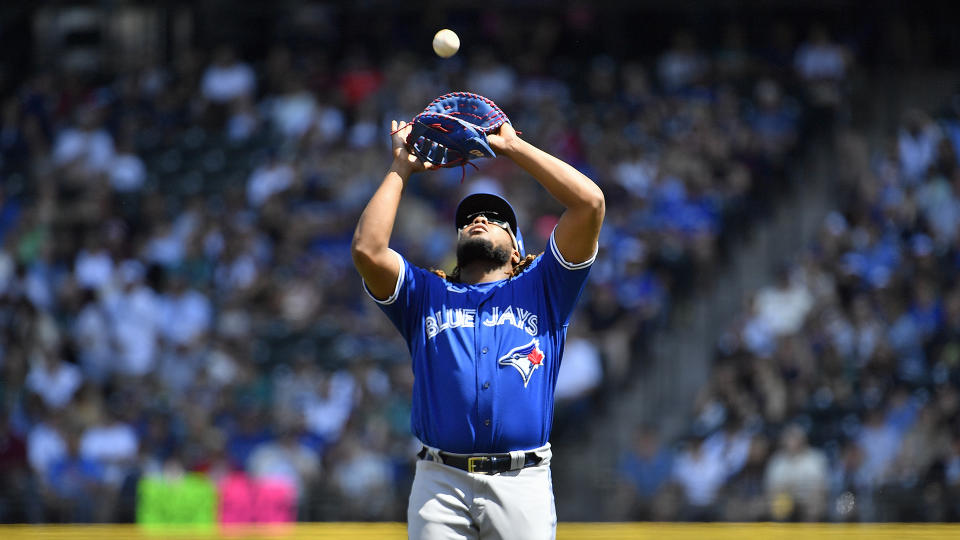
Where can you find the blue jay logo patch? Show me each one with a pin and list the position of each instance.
(526, 359)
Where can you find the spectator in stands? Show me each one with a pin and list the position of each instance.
(926, 442)
(46, 442)
(785, 306)
(54, 380)
(274, 176)
(242, 123)
(646, 468)
(683, 65)
(774, 119)
(112, 444)
(94, 267)
(288, 460)
(127, 172)
(75, 487)
(796, 478)
(700, 474)
(227, 78)
(91, 336)
(744, 496)
(185, 313)
(731, 444)
(917, 143)
(131, 308)
(294, 111)
(822, 65)
(245, 435)
(819, 58)
(85, 151)
(580, 376)
(328, 409)
(364, 479)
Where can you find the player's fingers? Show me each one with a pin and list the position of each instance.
(399, 131)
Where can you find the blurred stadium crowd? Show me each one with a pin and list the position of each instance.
(834, 395)
(176, 291)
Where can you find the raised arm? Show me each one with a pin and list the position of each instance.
(579, 227)
(371, 240)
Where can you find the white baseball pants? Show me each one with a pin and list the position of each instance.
(447, 503)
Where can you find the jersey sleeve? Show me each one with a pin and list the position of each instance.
(563, 281)
(407, 297)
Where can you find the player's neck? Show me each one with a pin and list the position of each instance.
(484, 272)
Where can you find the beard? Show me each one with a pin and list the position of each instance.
(471, 250)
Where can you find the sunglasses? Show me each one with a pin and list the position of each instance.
(490, 219)
(493, 221)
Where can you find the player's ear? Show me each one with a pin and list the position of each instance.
(515, 257)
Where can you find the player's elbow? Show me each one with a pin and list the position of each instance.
(359, 256)
(363, 251)
(366, 262)
(595, 202)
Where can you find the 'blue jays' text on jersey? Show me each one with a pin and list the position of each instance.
(486, 356)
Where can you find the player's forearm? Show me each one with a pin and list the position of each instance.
(568, 185)
(372, 235)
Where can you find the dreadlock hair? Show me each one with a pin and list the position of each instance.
(518, 269)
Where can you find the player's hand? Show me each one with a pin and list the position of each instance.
(402, 157)
(503, 140)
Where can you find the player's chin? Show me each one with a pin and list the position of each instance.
(475, 240)
(480, 248)
(472, 236)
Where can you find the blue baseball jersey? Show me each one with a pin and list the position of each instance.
(486, 356)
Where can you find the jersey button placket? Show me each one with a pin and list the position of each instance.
(484, 372)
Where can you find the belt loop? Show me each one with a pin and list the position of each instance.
(518, 458)
(433, 454)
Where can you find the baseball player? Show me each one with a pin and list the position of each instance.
(486, 344)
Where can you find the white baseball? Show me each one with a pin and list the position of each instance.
(446, 43)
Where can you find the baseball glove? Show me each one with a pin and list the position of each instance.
(453, 129)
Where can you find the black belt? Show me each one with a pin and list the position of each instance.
(486, 464)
